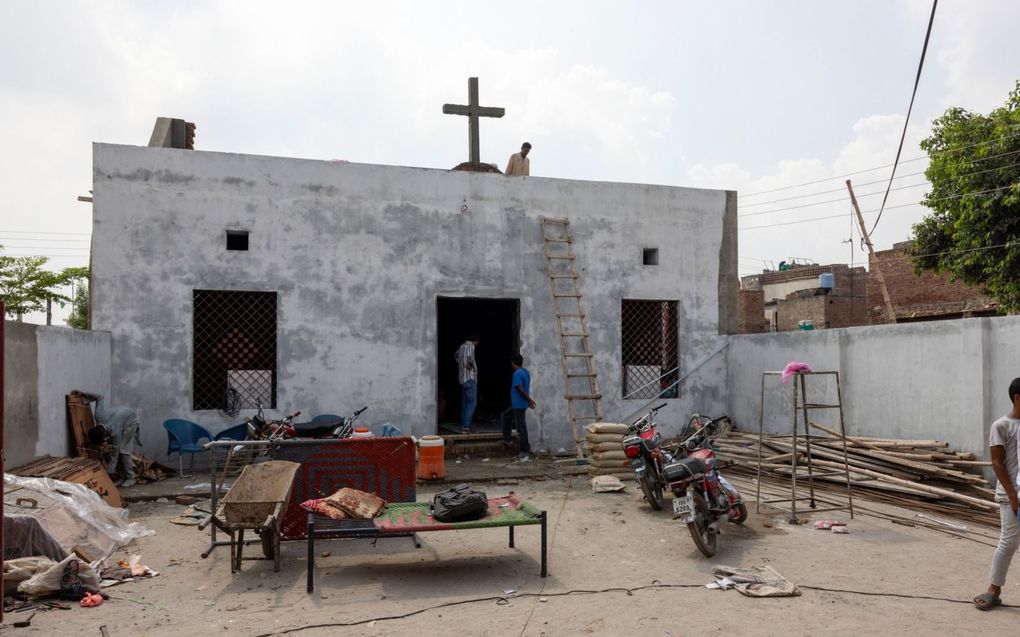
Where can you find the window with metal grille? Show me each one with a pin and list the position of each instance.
(234, 349)
(650, 349)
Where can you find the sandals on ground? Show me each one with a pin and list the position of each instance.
(986, 601)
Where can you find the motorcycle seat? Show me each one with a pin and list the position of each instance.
(684, 469)
(317, 428)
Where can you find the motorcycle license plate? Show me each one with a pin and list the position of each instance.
(683, 505)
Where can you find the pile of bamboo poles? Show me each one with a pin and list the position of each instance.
(924, 475)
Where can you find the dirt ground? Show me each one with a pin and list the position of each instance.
(597, 541)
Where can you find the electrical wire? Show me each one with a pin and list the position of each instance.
(864, 212)
(552, 538)
(1008, 244)
(819, 203)
(825, 192)
(882, 181)
(42, 239)
(868, 170)
(906, 122)
(42, 232)
(970, 174)
(39, 247)
(822, 181)
(47, 255)
(505, 599)
(231, 403)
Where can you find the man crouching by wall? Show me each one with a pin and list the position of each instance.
(122, 424)
(1003, 441)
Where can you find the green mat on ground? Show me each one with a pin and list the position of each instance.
(411, 517)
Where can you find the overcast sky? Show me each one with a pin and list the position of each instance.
(749, 96)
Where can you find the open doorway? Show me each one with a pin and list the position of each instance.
(497, 323)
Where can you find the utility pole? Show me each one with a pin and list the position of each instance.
(889, 310)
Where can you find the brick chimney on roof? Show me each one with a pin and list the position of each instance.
(173, 133)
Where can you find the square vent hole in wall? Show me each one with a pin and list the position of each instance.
(650, 256)
(237, 239)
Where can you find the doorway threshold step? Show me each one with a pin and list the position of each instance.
(494, 435)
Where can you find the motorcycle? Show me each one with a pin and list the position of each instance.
(259, 428)
(702, 497)
(642, 445)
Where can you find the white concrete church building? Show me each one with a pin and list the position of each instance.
(322, 287)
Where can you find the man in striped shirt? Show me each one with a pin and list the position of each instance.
(468, 377)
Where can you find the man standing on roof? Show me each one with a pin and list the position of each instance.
(519, 163)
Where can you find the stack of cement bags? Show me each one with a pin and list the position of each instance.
(605, 450)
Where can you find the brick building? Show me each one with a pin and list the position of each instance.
(751, 312)
(921, 297)
(788, 297)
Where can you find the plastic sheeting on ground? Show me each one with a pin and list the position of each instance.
(72, 514)
(757, 581)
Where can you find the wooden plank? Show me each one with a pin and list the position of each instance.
(80, 419)
(910, 464)
(924, 488)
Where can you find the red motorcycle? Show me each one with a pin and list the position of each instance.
(702, 497)
(259, 428)
(643, 446)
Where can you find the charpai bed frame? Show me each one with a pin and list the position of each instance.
(403, 519)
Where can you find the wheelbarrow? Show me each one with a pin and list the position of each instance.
(256, 502)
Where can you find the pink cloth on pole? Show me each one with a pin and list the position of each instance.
(792, 368)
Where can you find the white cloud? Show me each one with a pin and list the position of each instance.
(977, 48)
(776, 208)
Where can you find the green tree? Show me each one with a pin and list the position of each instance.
(79, 317)
(973, 230)
(26, 286)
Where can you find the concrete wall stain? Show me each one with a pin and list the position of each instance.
(238, 181)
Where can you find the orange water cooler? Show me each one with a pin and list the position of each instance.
(431, 465)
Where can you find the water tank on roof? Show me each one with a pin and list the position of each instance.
(826, 280)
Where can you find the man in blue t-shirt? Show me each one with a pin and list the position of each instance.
(520, 401)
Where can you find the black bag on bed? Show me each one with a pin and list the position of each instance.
(459, 504)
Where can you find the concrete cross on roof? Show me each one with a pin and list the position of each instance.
(473, 112)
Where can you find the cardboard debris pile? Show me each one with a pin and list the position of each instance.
(78, 470)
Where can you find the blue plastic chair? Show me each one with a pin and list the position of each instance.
(237, 432)
(183, 437)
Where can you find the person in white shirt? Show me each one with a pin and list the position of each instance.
(467, 371)
(519, 165)
(1003, 440)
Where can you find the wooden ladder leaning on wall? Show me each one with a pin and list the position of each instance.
(584, 400)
